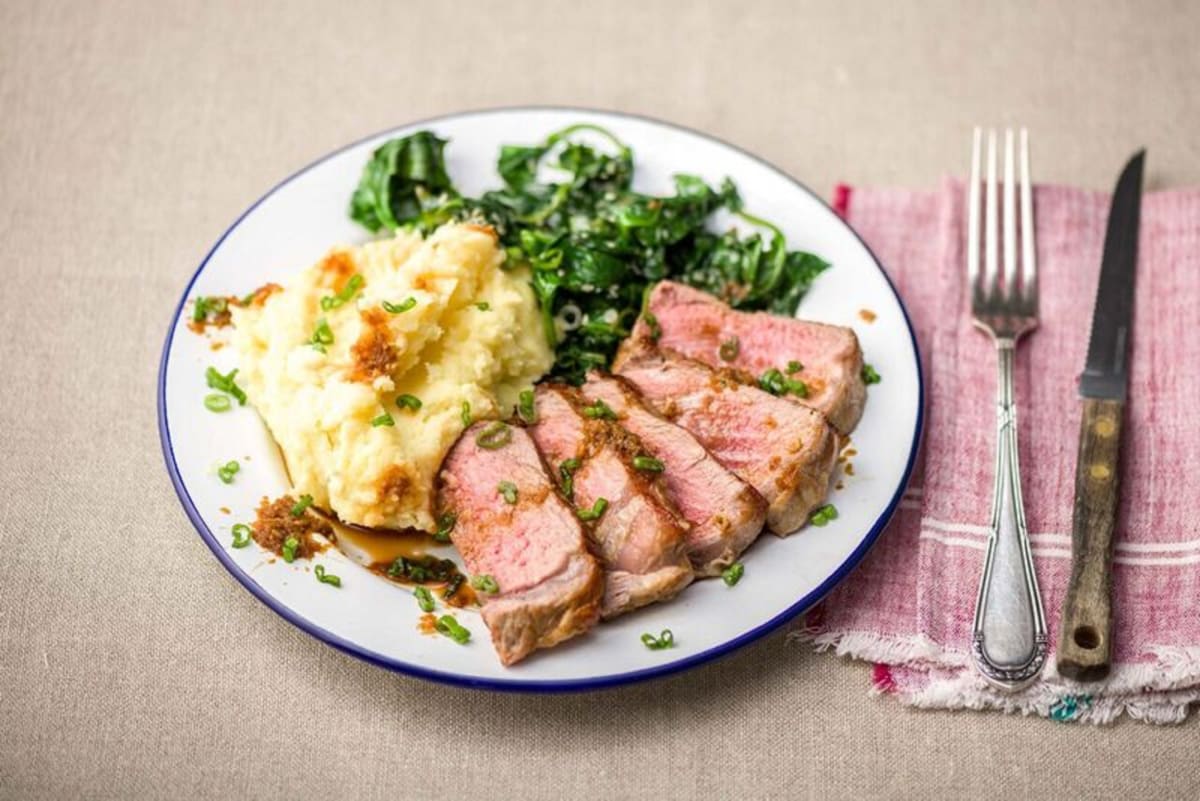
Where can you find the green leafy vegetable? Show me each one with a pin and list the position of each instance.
(322, 336)
(594, 245)
(733, 574)
(567, 471)
(869, 376)
(599, 411)
(207, 308)
(466, 414)
(777, 383)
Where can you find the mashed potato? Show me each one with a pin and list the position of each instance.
(472, 337)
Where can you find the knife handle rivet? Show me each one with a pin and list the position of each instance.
(1100, 472)
(1104, 427)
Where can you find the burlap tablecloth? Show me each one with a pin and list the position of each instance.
(131, 135)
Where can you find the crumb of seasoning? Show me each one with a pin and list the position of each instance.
(427, 624)
(849, 468)
(840, 485)
(225, 510)
(851, 451)
(216, 345)
(275, 524)
(867, 315)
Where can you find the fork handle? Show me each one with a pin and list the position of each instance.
(1085, 642)
(1010, 643)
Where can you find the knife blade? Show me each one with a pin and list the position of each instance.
(1104, 372)
(1085, 637)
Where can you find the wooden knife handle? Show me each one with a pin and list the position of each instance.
(1085, 639)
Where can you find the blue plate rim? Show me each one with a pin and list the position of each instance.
(524, 685)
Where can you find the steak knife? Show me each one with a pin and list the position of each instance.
(1085, 639)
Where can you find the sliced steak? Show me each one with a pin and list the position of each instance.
(696, 324)
(726, 514)
(640, 536)
(550, 584)
(784, 450)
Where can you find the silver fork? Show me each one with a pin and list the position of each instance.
(1009, 644)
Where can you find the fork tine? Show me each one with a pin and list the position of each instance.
(990, 233)
(973, 215)
(1028, 242)
(1010, 217)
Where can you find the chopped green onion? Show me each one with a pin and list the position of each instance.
(227, 471)
(824, 514)
(664, 640)
(729, 349)
(567, 470)
(485, 583)
(445, 526)
(483, 305)
(599, 411)
(447, 625)
(777, 383)
(217, 403)
(225, 383)
(649, 464)
(466, 414)
(330, 302)
(241, 535)
(290, 546)
(652, 324)
(495, 435)
(595, 512)
(869, 375)
(794, 367)
(733, 574)
(508, 490)
(301, 505)
(248, 299)
(399, 308)
(322, 336)
(206, 306)
(420, 569)
(525, 408)
(327, 578)
(407, 401)
(384, 419)
(424, 599)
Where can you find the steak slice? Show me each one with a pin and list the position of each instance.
(550, 584)
(696, 324)
(784, 450)
(726, 514)
(640, 536)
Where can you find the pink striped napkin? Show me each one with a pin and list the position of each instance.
(908, 608)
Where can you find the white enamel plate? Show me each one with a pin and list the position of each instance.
(295, 223)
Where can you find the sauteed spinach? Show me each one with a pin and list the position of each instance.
(594, 244)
